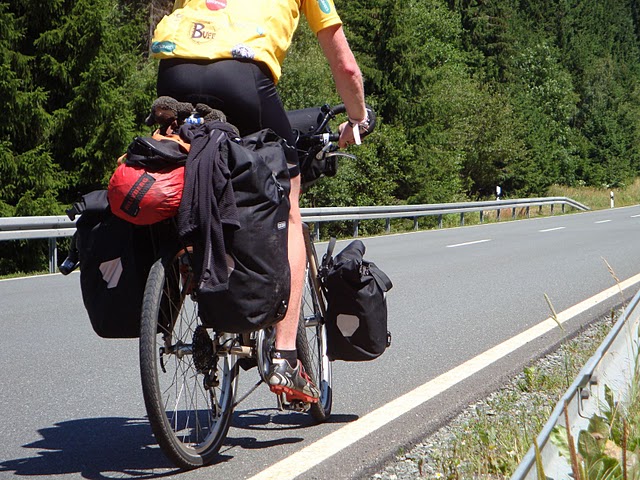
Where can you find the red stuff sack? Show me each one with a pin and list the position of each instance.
(145, 197)
(147, 187)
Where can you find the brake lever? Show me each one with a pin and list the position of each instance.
(341, 154)
(329, 147)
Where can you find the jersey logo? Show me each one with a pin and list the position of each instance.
(325, 6)
(163, 47)
(199, 33)
(216, 4)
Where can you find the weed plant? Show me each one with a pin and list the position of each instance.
(609, 449)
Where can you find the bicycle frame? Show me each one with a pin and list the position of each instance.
(258, 345)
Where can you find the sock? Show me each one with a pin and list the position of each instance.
(291, 356)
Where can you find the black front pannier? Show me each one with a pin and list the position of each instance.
(357, 307)
(115, 259)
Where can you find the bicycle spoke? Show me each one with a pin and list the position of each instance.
(188, 411)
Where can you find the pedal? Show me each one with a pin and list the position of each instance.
(295, 405)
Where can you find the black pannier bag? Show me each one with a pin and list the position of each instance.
(115, 259)
(356, 305)
(253, 290)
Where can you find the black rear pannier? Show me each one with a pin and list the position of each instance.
(115, 259)
(253, 290)
(357, 308)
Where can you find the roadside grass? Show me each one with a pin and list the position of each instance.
(23, 274)
(490, 438)
(599, 198)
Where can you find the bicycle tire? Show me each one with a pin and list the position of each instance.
(189, 392)
(311, 343)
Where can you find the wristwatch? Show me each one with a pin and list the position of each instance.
(363, 127)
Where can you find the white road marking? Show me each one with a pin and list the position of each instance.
(319, 451)
(551, 229)
(635, 216)
(603, 221)
(32, 276)
(468, 243)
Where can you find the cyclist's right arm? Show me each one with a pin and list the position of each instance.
(347, 77)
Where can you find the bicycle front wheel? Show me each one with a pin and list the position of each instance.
(311, 342)
(188, 385)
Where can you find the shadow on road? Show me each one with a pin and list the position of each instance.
(272, 420)
(95, 448)
(101, 448)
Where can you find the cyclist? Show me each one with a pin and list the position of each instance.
(228, 54)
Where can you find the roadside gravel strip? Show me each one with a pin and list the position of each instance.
(471, 447)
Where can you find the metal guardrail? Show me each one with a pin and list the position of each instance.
(614, 365)
(52, 227)
(356, 214)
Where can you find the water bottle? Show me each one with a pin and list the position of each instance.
(72, 261)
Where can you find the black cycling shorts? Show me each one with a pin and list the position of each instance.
(243, 90)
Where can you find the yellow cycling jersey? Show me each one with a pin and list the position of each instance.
(259, 30)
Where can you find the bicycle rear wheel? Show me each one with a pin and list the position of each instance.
(311, 341)
(188, 385)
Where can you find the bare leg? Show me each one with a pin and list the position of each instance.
(281, 380)
(287, 328)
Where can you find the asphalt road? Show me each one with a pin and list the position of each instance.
(71, 403)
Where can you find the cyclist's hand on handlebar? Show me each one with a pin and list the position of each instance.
(346, 135)
(351, 134)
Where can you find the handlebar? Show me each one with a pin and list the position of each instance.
(312, 124)
(316, 142)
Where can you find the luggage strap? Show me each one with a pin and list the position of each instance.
(94, 202)
(381, 278)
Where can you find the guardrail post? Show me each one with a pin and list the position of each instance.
(53, 255)
(498, 215)
(316, 229)
(528, 213)
(415, 223)
(563, 208)
(388, 225)
(462, 219)
(481, 216)
(440, 221)
(552, 208)
(356, 224)
(513, 212)
(540, 210)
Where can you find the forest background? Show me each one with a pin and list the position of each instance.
(471, 94)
